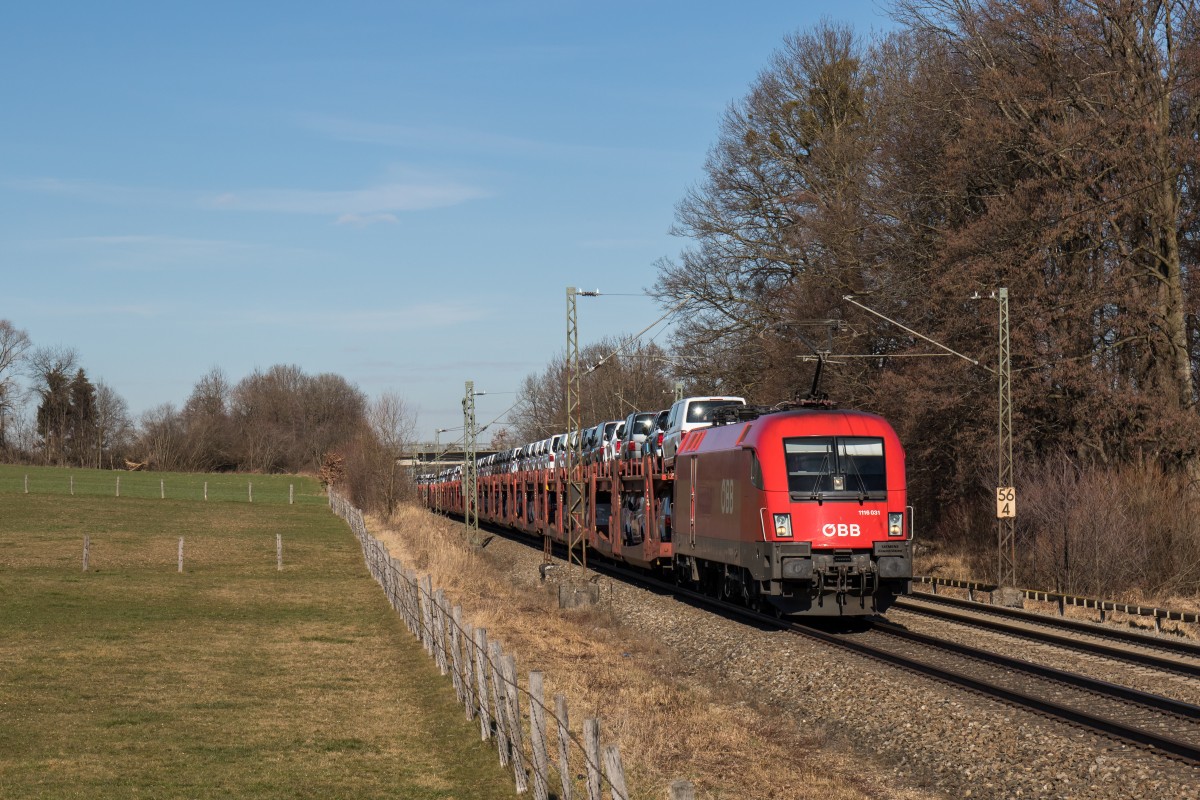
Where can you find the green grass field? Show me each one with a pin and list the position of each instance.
(222, 487)
(230, 680)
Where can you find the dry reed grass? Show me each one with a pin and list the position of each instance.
(667, 726)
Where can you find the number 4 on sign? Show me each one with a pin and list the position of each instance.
(1006, 502)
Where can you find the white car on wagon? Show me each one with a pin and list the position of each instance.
(687, 415)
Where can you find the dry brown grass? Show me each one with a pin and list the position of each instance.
(667, 727)
(941, 562)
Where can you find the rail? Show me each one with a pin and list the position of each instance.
(1186, 751)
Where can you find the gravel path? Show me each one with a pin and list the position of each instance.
(918, 731)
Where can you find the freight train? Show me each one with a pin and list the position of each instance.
(801, 511)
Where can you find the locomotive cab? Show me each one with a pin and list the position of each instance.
(801, 511)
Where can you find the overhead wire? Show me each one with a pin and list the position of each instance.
(671, 311)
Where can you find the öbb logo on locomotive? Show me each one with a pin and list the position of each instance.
(727, 495)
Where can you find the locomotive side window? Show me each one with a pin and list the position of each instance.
(756, 476)
(835, 468)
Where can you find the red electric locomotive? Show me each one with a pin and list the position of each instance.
(802, 511)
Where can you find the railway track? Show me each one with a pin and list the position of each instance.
(1166, 727)
(1167, 655)
(1163, 725)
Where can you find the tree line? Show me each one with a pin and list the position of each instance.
(1045, 146)
(280, 419)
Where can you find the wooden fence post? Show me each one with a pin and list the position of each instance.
(591, 755)
(481, 694)
(682, 790)
(509, 667)
(537, 734)
(456, 652)
(402, 593)
(426, 614)
(205, 489)
(118, 486)
(87, 547)
(410, 599)
(162, 489)
(72, 479)
(468, 673)
(615, 772)
(26, 483)
(181, 554)
(498, 701)
(394, 583)
(279, 552)
(564, 745)
(439, 630)
(291, 494)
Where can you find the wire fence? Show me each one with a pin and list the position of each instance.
(485, 682)
(161, 486)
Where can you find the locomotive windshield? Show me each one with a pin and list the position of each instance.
(835, 468)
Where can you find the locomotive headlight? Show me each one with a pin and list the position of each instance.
(895, 524)
(783, 526)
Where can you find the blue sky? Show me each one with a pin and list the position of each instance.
(396, 192)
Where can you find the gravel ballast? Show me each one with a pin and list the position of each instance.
(913, 730)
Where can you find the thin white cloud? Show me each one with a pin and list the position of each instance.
(372, 201)
(107, 310)
(364, 220)
(156, 252)
(462, 139)
(420, 316)
(99, 192)
(368, 204)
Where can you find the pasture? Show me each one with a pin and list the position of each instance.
(221, 487)
(232, 679)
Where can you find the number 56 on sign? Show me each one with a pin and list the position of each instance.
(1006, 502)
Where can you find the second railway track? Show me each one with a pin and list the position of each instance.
(1167, 655)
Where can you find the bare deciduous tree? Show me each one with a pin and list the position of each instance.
(162, 437)
(393, 425)
(114, 428)
(618, 376)
(14, 344)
